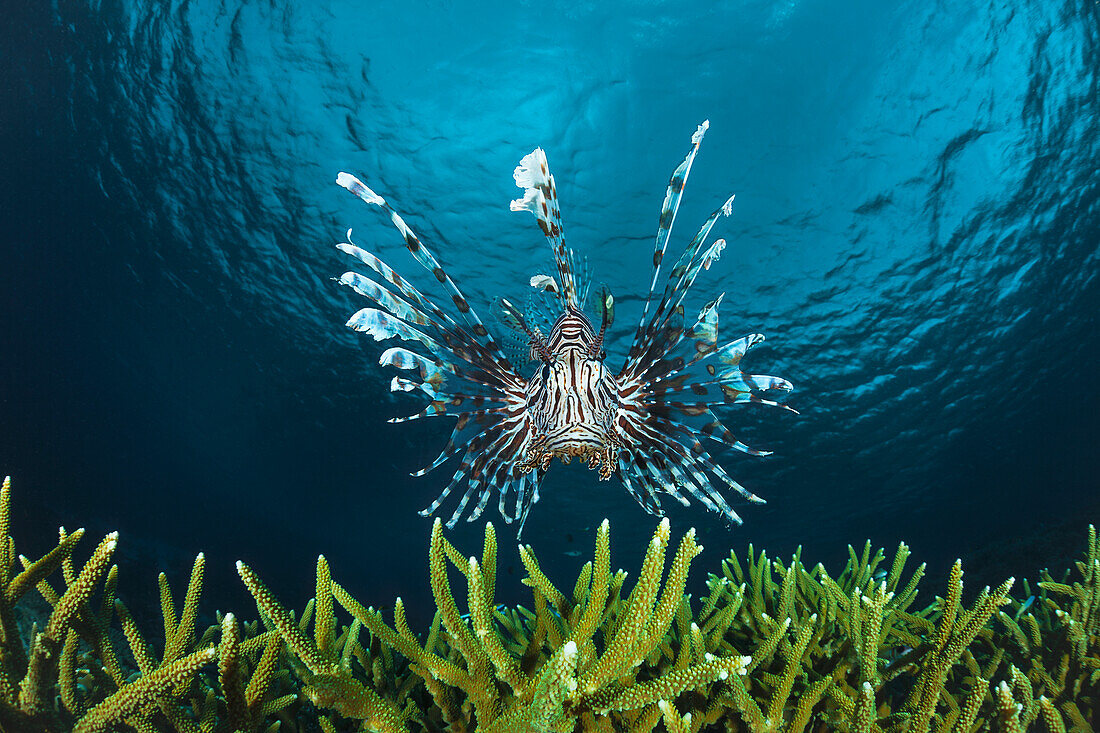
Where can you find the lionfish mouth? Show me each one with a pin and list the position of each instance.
(579, 440)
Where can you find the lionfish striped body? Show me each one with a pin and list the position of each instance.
(647, 422)
(573, 399)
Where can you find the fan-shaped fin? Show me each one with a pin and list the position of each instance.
(463, 344)
(422, 254)
(463, 371)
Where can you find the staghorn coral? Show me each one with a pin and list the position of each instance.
(859, 659)
(69, 676)
(590, 660)
(1050, 648)
(772, 646)
(827, 653)
(326, 667)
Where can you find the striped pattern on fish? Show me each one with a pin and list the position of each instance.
(648, 422)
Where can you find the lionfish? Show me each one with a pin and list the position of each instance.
(645, 422)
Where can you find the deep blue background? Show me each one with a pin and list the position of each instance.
(916, 231)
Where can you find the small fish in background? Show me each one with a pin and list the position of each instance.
(645, 422)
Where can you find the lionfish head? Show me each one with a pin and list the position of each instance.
(572, 398)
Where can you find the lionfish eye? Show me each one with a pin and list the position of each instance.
(546, 372)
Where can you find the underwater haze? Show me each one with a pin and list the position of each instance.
(916, 231)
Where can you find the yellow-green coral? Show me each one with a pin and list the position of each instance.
(329, 682)
(595, 657)
(1052, 647)
(72, 680)
(771, 646)
(845, 653)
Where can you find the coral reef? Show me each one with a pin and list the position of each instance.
(771, 646)
(68, 675)
(591, 657)
(843, 653)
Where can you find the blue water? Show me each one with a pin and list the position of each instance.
(916, 231)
